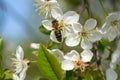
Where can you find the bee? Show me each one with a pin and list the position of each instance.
(57, 30)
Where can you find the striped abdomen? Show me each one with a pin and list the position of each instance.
(58, 35)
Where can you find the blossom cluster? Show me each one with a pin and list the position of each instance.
(20, 65)
(67, 28)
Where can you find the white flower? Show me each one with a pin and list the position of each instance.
(111, 74)
(111, 28)
(115, 59)
(86, 34)
(62, 23)
(20, 65)
(45, 6)
(105, 54)
(21, 75)
(34, 45)
(58, 54)
(75, 61)
(15, 77)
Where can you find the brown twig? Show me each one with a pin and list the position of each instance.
(85, 6)
(98, 60)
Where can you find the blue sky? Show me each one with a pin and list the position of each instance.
(20, 19)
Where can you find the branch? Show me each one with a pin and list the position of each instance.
(87, 6)
(98, 60)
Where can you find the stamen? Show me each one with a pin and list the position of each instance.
(80, 65)
(114, 23)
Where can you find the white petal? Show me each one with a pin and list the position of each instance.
(118, 45)
(112, 16)
(90, 24)
(94, 36)
(72, 40)
(104, 28)
(113, 65)
(67, 30)
(53, 1)
(53, 37)
(105, 54)
(47, 24)
(111, 34)
(23, 72)
(58, 53)
(57, 13)
(72, 55)
(54, 4)
(67, 65)
(115, 56)
(111, 74)
(15, 77)
(71, 17)
(77, 27)
(86, 44)
(19, 53)
(34, 45)
(86, 55)
(18, 67)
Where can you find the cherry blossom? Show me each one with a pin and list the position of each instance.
(86, 34)
(58, 54)
(75, 61)
(20, 65)
(111, 27)
(62, 24)
(45, 6)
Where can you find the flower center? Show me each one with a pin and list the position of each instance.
(47, 0)
(80, 65)
(114, 23)
(45, 8)
(83, 33)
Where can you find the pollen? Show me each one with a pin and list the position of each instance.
(114, 23)
(80, 65)
(83, 33)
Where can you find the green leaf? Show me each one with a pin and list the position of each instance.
(5, 74)
(101, 47)
(96, 75)
(1, 42)
(70, 75)
(73, 3)
(43, 30)
(89, 77)
(2, 75)
(48, 65)
(8, 74)
(0, 62)
(51, 44)
(0, 53)
(106, 43)
(41, 79)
